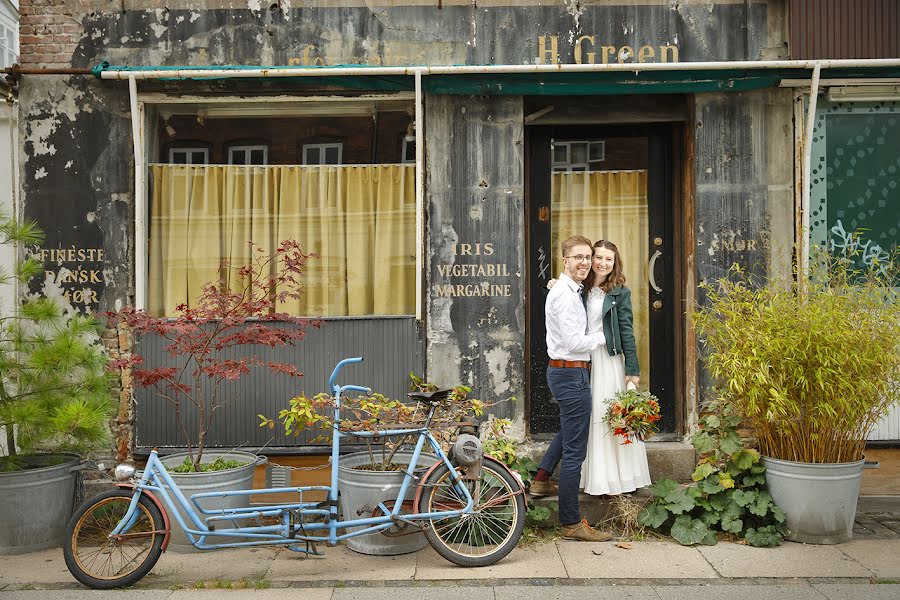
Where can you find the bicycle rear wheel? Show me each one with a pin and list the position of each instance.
(487, 535)
(101, 562)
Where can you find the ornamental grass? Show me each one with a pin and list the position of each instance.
(813, 365)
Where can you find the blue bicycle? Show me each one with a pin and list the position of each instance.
(470, 506)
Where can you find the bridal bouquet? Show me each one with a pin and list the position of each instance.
(633, 415)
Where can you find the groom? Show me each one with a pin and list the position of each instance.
(569, 377)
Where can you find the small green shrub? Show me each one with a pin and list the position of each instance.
(727, 494)
(220, 464)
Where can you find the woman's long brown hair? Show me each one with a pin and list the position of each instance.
(616, 277)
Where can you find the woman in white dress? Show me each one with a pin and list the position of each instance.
(611, 467)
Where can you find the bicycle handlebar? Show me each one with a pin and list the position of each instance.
(337, 367)
(357, 388)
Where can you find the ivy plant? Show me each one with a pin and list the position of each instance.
(727, 493)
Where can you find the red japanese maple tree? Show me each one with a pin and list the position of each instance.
(238, 310)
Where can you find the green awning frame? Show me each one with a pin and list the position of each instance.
(555, 83)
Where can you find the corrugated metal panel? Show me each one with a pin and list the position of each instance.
(391, 347)
(889, 427)
(845, 29)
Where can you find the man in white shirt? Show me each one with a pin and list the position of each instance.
(569, 377)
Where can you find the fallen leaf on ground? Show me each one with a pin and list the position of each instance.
(623, 545)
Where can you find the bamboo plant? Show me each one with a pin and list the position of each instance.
(812, 365)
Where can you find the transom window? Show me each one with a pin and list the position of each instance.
(248, 155)
(322, 154)
(575, 156)
(188, 156)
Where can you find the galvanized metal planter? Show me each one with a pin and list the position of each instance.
(37, 504)
(240, 478)
(362, 490)
(819, 499)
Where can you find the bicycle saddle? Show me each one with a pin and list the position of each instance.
(432, 397)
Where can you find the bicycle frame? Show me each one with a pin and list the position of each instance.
(292, 528)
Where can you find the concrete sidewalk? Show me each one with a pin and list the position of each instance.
(558, 562)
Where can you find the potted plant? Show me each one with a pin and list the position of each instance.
(371, 476)
(55, 404)
(238, 311)
(812, 366)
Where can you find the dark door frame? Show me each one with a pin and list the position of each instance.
(665, 161)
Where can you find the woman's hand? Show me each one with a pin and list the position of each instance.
(551, 283)
(635, 379)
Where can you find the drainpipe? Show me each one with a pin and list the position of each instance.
(420, 192)
(807, 153)
(140, 200)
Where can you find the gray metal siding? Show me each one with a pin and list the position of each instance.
(391, 347)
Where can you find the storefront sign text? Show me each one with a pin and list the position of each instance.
(79, 273)
(588, 50)
(469, 270)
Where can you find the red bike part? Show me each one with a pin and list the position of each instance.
(159, 505)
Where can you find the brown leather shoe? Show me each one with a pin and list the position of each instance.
(584, 533)
(544, 488)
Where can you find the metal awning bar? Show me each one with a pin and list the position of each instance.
(107, 71)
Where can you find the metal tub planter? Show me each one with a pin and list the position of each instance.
(818, 499)
(37, 503)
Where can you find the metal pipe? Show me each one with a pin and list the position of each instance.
(189, 73)
(16, 70)
(807, 153)
(420, 193)
(140, 200)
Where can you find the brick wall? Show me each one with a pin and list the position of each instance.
(49, 30)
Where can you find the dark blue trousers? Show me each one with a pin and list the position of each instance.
(572, 389)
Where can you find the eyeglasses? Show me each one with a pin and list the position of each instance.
(580, 257)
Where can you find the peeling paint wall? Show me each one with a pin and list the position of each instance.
(476, 246)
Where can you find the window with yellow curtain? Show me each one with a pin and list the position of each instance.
(609, 205)
(358, 219)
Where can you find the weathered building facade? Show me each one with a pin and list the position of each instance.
(473, 176)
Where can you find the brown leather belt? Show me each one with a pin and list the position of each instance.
(570, 364)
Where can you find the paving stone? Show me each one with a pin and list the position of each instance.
(340, 563)
(85, 594)
(859, 592)
(788, 560)
(881, 557)
(211, 566)
(44, 567)
(413, 593)
(539, 560)
(645, 560)
(702, 591)
(575, 592)
(269, 594)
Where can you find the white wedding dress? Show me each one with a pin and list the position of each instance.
(610, 466)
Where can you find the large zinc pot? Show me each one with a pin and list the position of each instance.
(240, 478)
(36, 503)
(362, 490)
(818, 499)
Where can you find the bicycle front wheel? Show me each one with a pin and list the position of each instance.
(101, 562)
(485, 536)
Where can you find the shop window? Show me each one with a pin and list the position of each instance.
(358, 218)
(578, 156)
(322, 154)
(855, 176)
(248, 155)
(188, 156)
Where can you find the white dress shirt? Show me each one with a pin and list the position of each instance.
(566, 320)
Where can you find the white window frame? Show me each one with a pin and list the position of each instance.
(322, 148)
(407, 141)
(9, 53)
(190, 151)
(567, 166)
(140, 125)
(247, 149)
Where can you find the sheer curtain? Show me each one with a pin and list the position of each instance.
(359, 219)
(609, 205)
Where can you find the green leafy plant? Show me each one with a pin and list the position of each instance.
(498, 444)
(727, 494)
(811, 364)
(55, 391)
(378, 412)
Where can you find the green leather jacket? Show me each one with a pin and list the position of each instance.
(618, 327)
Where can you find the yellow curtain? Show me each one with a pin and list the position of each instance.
(609, 205)
(359, 219)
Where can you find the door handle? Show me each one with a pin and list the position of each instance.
(651, 268)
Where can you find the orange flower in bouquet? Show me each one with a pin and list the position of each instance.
(633, 415)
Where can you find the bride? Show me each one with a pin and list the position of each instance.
(611, 467)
